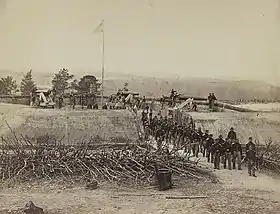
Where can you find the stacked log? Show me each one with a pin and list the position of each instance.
(135, 163)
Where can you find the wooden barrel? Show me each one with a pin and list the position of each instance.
(164, 179)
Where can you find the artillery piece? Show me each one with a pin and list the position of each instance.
(121, 99)
(43, 99)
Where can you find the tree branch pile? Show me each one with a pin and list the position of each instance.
(269, 155)
(51, 159)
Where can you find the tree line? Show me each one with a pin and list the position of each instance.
(62, 82)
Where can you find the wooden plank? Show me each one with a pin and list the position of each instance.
(186, 197)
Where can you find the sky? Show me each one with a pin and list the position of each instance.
(197, 38)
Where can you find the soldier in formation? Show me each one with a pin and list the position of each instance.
(227, 152)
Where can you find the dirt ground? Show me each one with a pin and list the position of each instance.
(235, 193)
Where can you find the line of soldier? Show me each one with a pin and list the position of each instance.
(185, 135)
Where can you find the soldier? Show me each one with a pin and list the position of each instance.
(200, 139)
(251, 157)
(180, 134)
(236, 154)
(143, 103)
(221, 141)
(154, 125)
(216, 151)
(146, 129)
(210, 101)
(208, 146)
(232, 135)
(228, 151)
(204, 139)
(195, 143)
(213, 97)
(151, 115)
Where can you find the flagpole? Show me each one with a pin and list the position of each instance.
(102, 68)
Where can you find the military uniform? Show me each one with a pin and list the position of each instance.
(204, 139)
(228, 152)
(216, 151)
(236, 154)
(232, 135)
(221, 141)
(208, 146)
(251, 157)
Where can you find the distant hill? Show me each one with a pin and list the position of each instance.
(154, 86)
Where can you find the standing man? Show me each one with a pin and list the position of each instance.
(151, 115)
(232, 135)
(228, 151)
(236, 154)
(221, 141)
(204, 139)
(145, 115)
(216, 151)
(200, 138)
(208, 146)
(195, 143)
(210, 101)
(251, 157)
(153, 125)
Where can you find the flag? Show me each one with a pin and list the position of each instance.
(99, 28)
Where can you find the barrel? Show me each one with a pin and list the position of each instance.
(164, 179)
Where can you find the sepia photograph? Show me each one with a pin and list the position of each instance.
(139, 106)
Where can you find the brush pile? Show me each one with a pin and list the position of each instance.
(268, 155)
(21, 160)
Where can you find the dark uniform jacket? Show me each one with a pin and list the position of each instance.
(200, 135)
(236, 147)
(251, 151)
(209, 143)
(216, 148)
(227, 147)
(221, 141)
